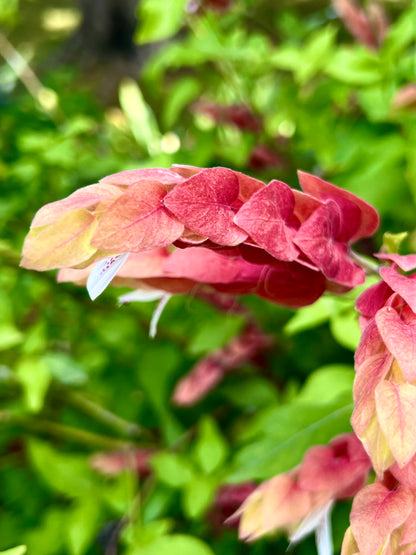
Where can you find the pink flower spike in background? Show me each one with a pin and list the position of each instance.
(299, 502)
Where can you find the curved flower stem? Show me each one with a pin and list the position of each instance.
(370, 269)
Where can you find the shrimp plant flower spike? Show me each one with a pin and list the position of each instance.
(188, 230)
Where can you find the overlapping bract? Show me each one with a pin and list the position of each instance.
(385, 362)
(383, 517)
(383, 520)
(215, 228)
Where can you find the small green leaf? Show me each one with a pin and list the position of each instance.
(62, 472)
(310, 316)
(146, 535)
(82, 525)
(345, 329)
(280, 437)
(175, 544)
(65, 369)
(157, 365)
(392, 241)
(35, 377)
(184, 92)
(8, 11)
(19, 550)
(172, 469)
(197, 496)
(354, 66)
(215, 333)
(210, 449)
(327, 383)
(141, 118)
(250, 392)
(10, 336)
(315, 53)
(159, 19)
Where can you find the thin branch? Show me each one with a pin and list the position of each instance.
(101, 414)
(47, 98)
(61, 431)
(370, 269)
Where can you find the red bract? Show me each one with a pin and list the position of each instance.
(204, 204)
(137, 221)
(268, 218)
(382, 521)
(365, 221)
(318, 239)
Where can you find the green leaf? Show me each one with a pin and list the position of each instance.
(310, 316)
(250, 392)
(35, 377)
(65, 369)
(19, 550)
(400, 34)
(175, 544)
(354, 66)
(286, 57)
(281, 436)
(159, 19)
(172, 469)
(10, 336)
(345, 329)
(142, 121)
(145, 535)
(82, 524)
(197, 496)
(156, 504)
(8, 12)
(48, 537)
(315, 53)
(326, 384)
(211, 449)
(35, 340)
(65, 473)
(215, 333)
(392, 241)
(157, 365)
(184, 92)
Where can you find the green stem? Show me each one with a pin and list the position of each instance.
(62, 431)
(101, 414)
(370, 269)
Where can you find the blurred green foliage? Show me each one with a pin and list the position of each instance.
(78, 377)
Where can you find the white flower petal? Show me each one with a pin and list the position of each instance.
(142, 296)
(323, 534)
(103, 272)
(316, 520)
(157, 313)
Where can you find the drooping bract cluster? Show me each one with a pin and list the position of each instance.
(299, 502)
(384, 414)
(184, 228)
